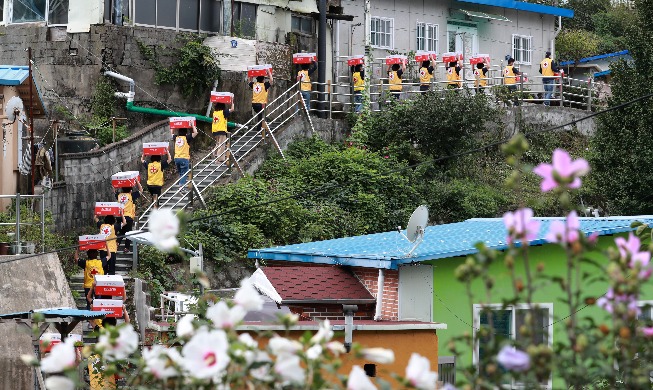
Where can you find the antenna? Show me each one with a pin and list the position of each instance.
(416, 225)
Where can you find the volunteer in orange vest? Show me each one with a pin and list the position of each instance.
(358, 81)
(109, 227)
(182, 142)
(480, 77)
(394, 79)
(92, 266)
(155, 175)
(260, 89)
(304, 76)
(547, 68)
(219, 129)
(425, 76)
(453, 75)
(127, 197)
(510, 79)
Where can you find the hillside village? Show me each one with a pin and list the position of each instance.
(325, 194)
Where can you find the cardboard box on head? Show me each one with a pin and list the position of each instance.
(125, 179)
(111, 285)
(222, 97)
(155, 148)
(304, 58)
(109, 208)
(182, 122)
(96, 241)
(356, 60)
(258, 70)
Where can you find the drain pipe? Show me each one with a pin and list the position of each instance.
(379, 296)
(146, 110)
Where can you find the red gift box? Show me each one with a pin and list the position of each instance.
(519, 78)
(395, 59)
(356, 60)
(155, 148)
(125, 179)
(112, 285)
(479, 58)
(452, 57)
(113, 307)
(426, 56)
(258, 70)
(222, 97)
(182, 122)
(304, 58)
(97, 241)
(48, 340)
(108, 208)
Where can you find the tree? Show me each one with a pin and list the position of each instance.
(621, 148)
(576, 44)
(584, 10)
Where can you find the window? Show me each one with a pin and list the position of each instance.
(462, 37)
(646, 311)
(427, 36)
(382, 32)
(210, 11)
(186, 15)
(522, 49)
(507, 320)
(244, 18)
(301, 24)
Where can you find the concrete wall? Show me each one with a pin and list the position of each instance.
(87, 177)
(541, 116)
(34, 283)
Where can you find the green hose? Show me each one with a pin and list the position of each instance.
(144, 110)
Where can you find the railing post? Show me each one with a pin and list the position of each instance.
(42, 223)
(521, 91)
(590, 86)
(17, 223)
(562, 95)
(329, 86)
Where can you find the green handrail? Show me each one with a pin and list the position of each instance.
(145, 110)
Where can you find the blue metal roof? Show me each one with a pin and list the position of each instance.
(57, 313)
(388, 250)
(13, 75)
(522, 6)
(604, 73)
(596, 58)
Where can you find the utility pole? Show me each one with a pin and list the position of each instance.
(31, 118)
(321, 58)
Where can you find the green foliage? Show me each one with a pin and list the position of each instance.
(584, 12)
(611, 27)
(576, 44)
(620, 146)
(194, 67)
(102, 129)
(156, 267)
(103, 101)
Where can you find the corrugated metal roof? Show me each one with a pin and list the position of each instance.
(13, 75)
(57, 313)
(596, 58)
(388, 250)
(522, 6)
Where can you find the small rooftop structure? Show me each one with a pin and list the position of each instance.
(389, 250)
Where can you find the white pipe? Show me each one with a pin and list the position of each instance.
(118, 76)
(555, 34)
(379, 296)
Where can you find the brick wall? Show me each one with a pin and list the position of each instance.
(331, 312)
(390, 302)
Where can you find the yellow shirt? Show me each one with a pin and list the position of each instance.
(110, 231)
(453, 77)
(219, 122)
(359, 83)
(394, 80)
(424, 75)
(508, 75)
(182, 149)
(92, 268)
(260, 94)
(481, 80)
(126, 199)
(154, 174)
(546, 67)
(305, 78)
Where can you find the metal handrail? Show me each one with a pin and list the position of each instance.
(247, 128)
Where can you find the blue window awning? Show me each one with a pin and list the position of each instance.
(522, 6)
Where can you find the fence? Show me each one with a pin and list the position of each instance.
(565, 91)
(447, 369)
(14, 212)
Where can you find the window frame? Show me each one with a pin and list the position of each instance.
(390, 36)
(519, 59)
(46, 18)
(434, 39)
(477, 308)
(301, 18)
(178, 19)
(240, 14)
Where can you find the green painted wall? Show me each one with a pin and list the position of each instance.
(452, 307)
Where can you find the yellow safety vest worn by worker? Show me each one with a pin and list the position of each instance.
(509, 75)
(546, 67)
(219, 122)
(480, 78)
(182, 149)
(359, 83)
(110, 231)
(93, 267)
(260, 95)
(154, 174)
(305, 78)
(394, 80)
(424, 76)
(126, 199)
(453, 77)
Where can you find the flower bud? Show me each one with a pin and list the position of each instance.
(624, 332)
(604, 329)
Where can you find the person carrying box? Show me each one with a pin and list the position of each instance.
(109, 228)
(219, 128)
(182, 142)
(305, 87)
(155, 179)
(127, 197)
(260, 89)
(394, 79)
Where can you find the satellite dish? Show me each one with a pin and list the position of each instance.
(14, 109)
(416, 225)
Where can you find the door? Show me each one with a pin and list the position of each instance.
(462, 37)
(416, 292)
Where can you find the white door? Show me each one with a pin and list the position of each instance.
(416, 292)
(463, 39)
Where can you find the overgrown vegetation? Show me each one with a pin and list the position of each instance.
(191, 66)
